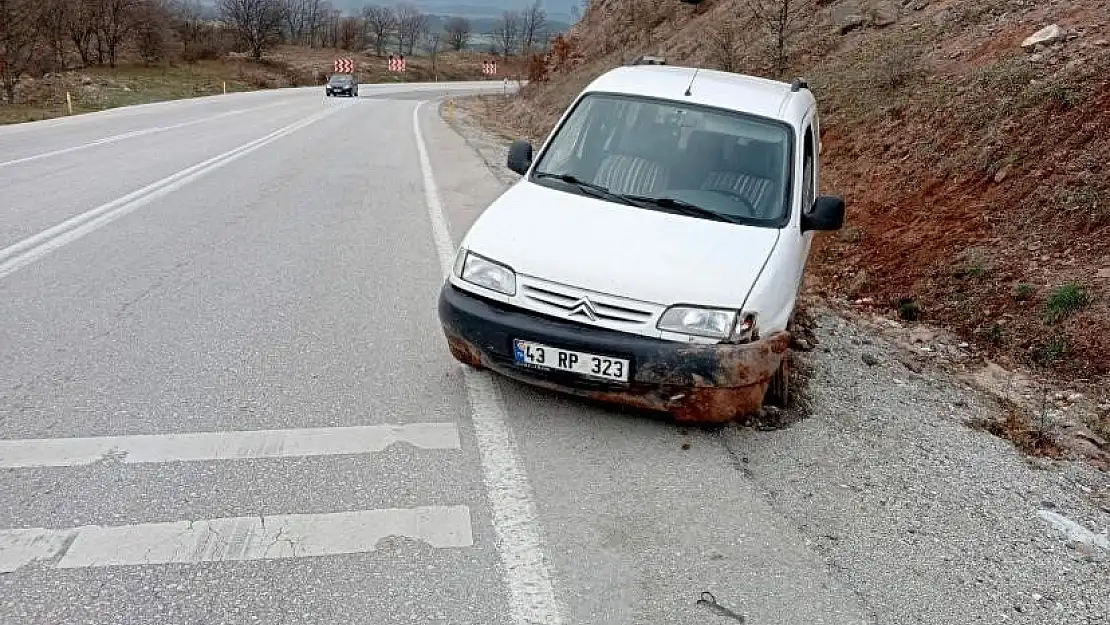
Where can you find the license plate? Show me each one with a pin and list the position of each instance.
(591, 365)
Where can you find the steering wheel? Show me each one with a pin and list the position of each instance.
(743, 199)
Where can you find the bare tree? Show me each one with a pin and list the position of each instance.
(53, 23)
(152, 30)
(457, 30)
(187, 22)
(257, 22)
(411, 25)
(300, 19)
(435, 55)
(533, 23)
(350, 32)
(782, 19)
(380, 23)
(329, 26)
(80, 27)
(506, 32)
(117, 20)
(18, 42)
(722, 43)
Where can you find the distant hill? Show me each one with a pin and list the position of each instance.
(483, 25)
(559, 10)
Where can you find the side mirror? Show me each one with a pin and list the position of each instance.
(827, 214)
(520, 156)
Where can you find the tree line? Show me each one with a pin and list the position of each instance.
(40, 36)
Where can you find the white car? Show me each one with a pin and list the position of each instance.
(653, 251)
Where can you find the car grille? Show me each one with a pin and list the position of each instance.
(589, 307)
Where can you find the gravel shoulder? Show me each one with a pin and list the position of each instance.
(881, 466)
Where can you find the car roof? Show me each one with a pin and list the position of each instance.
(749, 94)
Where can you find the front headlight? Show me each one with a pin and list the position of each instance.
(486, 273)
(707, 322)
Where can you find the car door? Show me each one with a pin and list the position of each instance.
(796, 244)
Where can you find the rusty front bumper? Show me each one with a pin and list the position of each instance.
(695, 383)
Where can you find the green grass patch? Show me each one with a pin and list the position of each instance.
(1064, 301)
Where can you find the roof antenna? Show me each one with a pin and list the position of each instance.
(691, 85)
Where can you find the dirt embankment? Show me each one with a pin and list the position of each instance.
(975, 169)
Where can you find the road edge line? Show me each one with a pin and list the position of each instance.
(519, 543)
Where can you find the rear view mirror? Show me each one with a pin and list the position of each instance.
(827, 214)
(520, 156)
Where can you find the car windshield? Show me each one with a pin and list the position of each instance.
(663, 155)
(340, 79)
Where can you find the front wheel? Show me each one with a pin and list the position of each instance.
(778, 391)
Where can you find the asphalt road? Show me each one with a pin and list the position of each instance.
(224, 397)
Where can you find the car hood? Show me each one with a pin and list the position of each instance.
(631, 252)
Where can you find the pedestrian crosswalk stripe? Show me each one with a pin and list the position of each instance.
(232, 445)
(235, 538)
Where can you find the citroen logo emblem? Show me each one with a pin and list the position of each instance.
(585, 308)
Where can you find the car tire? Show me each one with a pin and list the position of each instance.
(778, 390)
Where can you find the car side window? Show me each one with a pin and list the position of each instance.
(808, 191)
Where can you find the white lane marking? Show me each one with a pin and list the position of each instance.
(18, 548)
(135, 133)
(527, 571)
(235, 538)
(235, 445)
(27, 251)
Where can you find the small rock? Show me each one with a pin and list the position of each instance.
(1047, 504)
(869, 359)
(1037, 596)
(922, 335)
(1101, 42)
(802, 345)
(1103, 273)
(1048, 35)
(884, 15)
(912, 366)
(1001, 174)
(847, 17)
(1074, 397)
(963, 345)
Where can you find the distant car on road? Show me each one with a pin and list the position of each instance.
(342, 84)
(653, 253)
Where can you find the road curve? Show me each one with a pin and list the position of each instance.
(224, 397)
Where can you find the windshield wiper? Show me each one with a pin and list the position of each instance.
(681, 206)
(594, 189)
